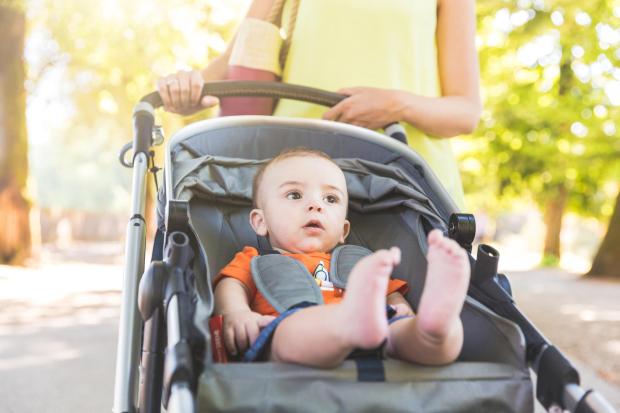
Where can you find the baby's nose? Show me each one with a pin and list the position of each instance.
(314, 206)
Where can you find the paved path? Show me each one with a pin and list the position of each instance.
(58, 327)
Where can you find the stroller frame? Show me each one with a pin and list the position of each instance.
(164, 291)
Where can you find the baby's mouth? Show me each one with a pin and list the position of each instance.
(314, 224)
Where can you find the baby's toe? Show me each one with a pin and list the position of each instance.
(435, 236)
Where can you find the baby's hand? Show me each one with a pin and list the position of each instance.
(402, 310)
(241, 328)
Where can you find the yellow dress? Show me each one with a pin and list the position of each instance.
(376, 43)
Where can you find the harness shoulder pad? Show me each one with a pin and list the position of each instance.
(342, 262)
(284, 281)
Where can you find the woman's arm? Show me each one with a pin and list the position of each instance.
(456, 111)
(180, 92)
(216, 69)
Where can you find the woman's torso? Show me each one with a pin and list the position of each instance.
(376, 43)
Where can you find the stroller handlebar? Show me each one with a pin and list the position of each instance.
(276, 90)
(143, 117)
(253, 88)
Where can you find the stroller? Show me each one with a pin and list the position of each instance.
(165, 357)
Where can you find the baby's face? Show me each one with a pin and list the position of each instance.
(302, 205)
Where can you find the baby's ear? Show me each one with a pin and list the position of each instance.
(257, 221)
(345, 230)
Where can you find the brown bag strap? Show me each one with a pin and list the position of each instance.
(275, 13)
(275, 17)
(289, 36)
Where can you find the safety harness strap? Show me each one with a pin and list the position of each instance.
(344, 258)
(285, 282)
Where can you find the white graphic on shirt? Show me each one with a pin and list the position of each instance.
(321, 276)
(320, 273)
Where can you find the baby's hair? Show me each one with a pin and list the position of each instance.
(286, 153)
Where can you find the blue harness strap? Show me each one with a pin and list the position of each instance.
(370, 369)
(257, 351)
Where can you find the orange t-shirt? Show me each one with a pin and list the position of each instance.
(239, 268)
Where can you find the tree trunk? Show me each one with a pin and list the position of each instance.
(554, 212)
(554, 209)
(14, 220)
(606, 260)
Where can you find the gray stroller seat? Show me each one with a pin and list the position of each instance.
(394, 200)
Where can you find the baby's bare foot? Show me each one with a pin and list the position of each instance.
(447, 279)
(364, 300)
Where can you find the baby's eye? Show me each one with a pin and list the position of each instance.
(293, 195)
(331, 199)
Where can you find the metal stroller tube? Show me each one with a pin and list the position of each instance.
(129, 329)
(577, 400)
(178, 366)
(127, 356)
(165, 305)
(181, 398)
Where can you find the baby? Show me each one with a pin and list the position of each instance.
(301, 202)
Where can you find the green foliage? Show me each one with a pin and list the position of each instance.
(551, 90)
(90, 63)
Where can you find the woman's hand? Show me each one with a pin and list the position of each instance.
(369, 107)
(180, 92)
(241, 328)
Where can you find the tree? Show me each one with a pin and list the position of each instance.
(107, 56)
(606, 260)
(548, 131)
(14, 218)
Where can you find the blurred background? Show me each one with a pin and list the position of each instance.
(541, 173)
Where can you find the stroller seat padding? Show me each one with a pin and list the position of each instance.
(284, 281)
(385, 206)
(344, 258)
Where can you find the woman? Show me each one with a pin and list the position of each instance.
(409, 61)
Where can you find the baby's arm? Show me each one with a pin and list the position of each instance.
(241, 324)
